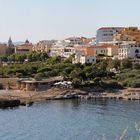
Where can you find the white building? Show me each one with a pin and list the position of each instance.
(84, 59)
(62, 48)
(74, 41)
(106, 34)
(129, 50)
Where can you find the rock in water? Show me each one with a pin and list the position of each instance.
(9, 103)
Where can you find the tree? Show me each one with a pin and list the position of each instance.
(39, 75)
(76, 73)
(126, 64)
(54, 60)
(10, 51)
(103, 65)
(114, 64)
(11, 58)
(20, 57)
(3, 58)
(136, 66)
(97, 80)
(44, 56)
(76, 82)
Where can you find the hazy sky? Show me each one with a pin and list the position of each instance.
(58, 19)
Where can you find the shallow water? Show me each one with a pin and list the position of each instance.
(70, 120)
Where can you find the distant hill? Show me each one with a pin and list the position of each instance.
(18, 43)
(15, 43)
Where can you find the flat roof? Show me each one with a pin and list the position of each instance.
(31, 80)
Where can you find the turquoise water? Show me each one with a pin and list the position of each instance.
(70, 120)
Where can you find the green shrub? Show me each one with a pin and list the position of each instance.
(135, 84)
(19, 74)
(126, 64)
(76, 82)
(39, 75)
(136, 66)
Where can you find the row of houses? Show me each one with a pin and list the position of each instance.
(22, 48)
(114, 42)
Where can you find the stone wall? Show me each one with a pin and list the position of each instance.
(10, 81)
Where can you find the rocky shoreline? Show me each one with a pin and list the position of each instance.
(15, 98)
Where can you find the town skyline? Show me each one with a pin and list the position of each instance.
(17, 42)
(45, 20)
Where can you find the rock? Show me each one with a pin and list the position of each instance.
(59, 97)
(9, 103)
(30, 104)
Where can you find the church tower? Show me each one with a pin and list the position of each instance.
(10, 43)
(27, 41)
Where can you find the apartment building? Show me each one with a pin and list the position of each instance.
(108, 50)
(129, 49)
(106, 34)
(42, 46)
(62, 48)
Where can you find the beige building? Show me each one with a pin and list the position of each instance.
(24, 48)
(3, 49)
(106, 50)
(42, 46)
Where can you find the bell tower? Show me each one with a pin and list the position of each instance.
(10, 43)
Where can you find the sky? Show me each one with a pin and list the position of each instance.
(58, 19)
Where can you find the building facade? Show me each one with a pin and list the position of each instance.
(3, 49)
(24, 48)
(84, 59)
(43, 46)
(106, 34)
(62, 48)
(129, 50)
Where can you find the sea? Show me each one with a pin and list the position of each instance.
(72, 120)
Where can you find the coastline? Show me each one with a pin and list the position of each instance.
(13, 98)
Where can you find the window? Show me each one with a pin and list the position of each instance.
(136, 51)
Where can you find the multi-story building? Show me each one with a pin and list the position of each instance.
(57, 48)
(75, 41)
(3, 49)
(87, 50)
(24, 48)
(84, 54)
(106, 34)
(129, 50)
(107, 50)
(42, 46)
(62, 48)
(84, 59)
(67, 47)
